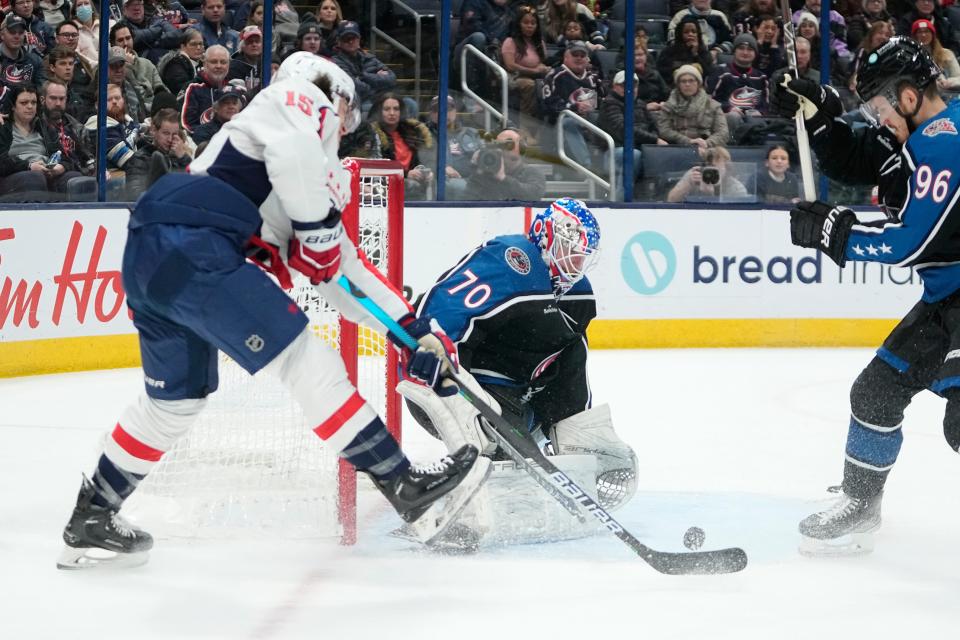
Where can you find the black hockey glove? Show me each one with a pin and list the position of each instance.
(817, 225)
(820, 103)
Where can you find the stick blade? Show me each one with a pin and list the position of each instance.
(719, 561)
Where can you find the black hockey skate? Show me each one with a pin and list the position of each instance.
(846, 528)
(98, 537)
(430, 497)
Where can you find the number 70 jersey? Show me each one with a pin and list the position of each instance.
(498, 304)
(926, 234)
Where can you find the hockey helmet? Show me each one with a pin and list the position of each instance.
(901, 60)
(569, 239)
(311, 67)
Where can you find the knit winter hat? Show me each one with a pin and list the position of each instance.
(806, 16)
(688, 70)
(748, 39)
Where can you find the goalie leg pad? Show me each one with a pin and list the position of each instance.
(455, 420)
(591, 432)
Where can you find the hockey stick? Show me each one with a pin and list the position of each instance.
(527, 455)
(803, 140)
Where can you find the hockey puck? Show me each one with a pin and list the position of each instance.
(694, 537)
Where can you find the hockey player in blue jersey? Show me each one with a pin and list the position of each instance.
(270, 176)
(897, 84)
(518, 308)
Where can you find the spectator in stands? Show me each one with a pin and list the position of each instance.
(745, 20)
(838, 30)
(134, 103)
(524, 57)
(769, 54)
(61, 65)
(254, 17)
(714, 26)
(163, 149)
(246, 64)
(286, 25)
(70, 34)
(200, 94)
(152, 35)
(878, 33)
(141, 73)
(928, 10)
(87, 20)
(62, 132)
(173, 12)
(925, 33)
(178, 68)
(572, 85)
(690, 116)
(53, 12)
(612, 121)
(214, 30)
(573, 30)
(123, 132)
(38, 35)
(686, 48)
(229, 103)
(808, 26)
(858, 23)
(19, 65)
(329, 15)
(502, 174)
(309, 38)
(370, 76)
(402, 139)
(650, 86)
(776, 184)
(554, 15)
(483, 24)
(804, 70)
(699, 186)
(462, 142)
(23, 155)
(740, 88)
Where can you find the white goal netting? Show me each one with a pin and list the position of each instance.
(251, 463)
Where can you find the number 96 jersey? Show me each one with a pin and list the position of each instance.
(498, 304)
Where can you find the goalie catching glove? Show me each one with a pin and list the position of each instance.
(817, 225)
(314, 250)
(436, 356)
(820, 103)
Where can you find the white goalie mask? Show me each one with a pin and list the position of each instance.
(312, 68)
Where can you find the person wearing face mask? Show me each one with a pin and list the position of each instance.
(86, 18)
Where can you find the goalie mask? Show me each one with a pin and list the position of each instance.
(315, 69)
(569, 237)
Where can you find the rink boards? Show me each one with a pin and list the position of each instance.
(667, 277)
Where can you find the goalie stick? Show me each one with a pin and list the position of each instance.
(803, 140)
(575, 500)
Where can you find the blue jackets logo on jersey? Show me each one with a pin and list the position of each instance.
(648, 263)
(518, 260)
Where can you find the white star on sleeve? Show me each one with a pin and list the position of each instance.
(872, 250)
(885, 248)
(857, 250)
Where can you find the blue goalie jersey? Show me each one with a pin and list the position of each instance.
(498, 304)
(926, 234)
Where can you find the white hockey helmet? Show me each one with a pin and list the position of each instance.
(311, 67)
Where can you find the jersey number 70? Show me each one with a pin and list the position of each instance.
(477, 295)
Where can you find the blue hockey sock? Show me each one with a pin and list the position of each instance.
(377, 452)
(113, 484)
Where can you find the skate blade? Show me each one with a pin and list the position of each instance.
(457, 540)
(85, 558)
(850, 545)
(435, 520)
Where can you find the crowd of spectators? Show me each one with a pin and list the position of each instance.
(702, 72)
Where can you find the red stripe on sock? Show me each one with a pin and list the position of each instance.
(332, 424)
(133, 446)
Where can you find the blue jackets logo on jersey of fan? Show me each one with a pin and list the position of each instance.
(518, 260)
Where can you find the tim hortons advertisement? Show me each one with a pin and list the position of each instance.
(60, 274)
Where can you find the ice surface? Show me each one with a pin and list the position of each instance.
(742, 443)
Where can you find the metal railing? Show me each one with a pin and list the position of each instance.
(593, 179)
(415, 54)
(488, 109)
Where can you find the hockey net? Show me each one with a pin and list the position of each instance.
(251, 463)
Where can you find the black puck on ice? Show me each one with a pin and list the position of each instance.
(694, 537)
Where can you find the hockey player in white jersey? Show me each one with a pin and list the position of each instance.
(191, 292)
